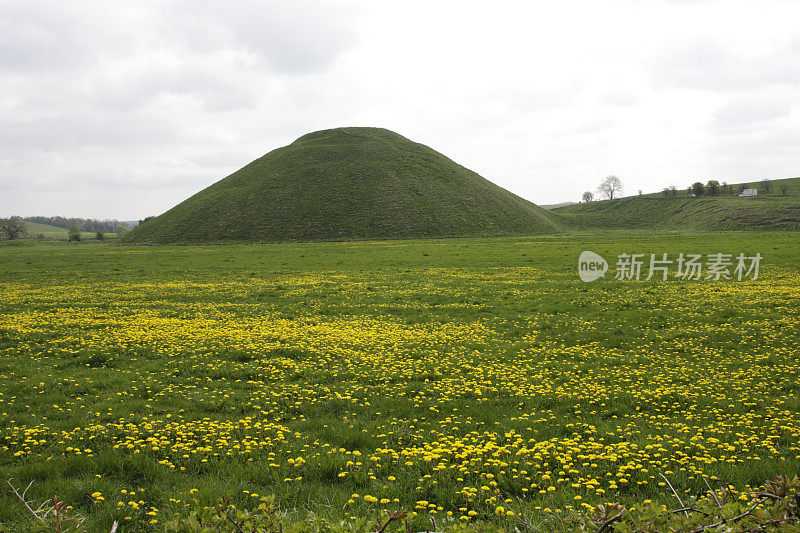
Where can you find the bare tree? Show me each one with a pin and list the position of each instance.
(587, 197)
(12, 228)
(609, 186)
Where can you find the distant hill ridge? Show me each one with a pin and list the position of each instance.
(347, 183)
(685, 213)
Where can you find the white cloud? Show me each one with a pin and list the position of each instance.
(747, 114)
(119, 109)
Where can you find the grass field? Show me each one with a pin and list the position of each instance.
(770, 210)
(729, 213)
(34, 229)
(448, 377)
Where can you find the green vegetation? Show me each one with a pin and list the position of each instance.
(91, 225)
(465, 380)
(713, 206)
(784, 187)
(776, 509)
(35, 228)
(11, 228)
(703, 213)
(346, 183)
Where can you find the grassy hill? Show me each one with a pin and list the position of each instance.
(687, 213)
(784, 187)
(347, 183)
(34, 228)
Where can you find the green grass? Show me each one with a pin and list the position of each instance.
(342, 184)
(34, 228)
(472, 360)
(792, 188)
(699, 214)
(770, 210)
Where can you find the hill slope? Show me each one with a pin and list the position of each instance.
(34, 227)
(704, 213)
(347, 183)
(782, 187)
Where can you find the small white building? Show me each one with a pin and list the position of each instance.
(749, 192)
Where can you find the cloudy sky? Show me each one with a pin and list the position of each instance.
(123, 109)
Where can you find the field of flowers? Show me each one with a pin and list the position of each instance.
(462, 380)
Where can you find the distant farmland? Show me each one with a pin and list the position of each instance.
(34, 230)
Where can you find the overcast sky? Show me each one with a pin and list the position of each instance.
(123, 109)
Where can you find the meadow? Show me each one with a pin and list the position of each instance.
(39, 231)
(464, 380)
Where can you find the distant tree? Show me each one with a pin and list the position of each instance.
(74, 233)
(666, 192)
(712, 188)
(100, 235)
(609, 186)
(784, 189)
(742, 187)
(587, 197)
(12, 228)
(119, 229)
(726, 188)
(640, 192)
(766, 185)
(673, 190)
(698, 189)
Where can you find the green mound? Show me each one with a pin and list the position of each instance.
(703, 213)
(347, 183)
